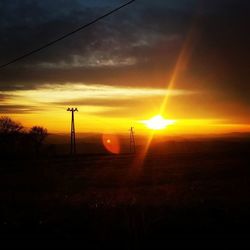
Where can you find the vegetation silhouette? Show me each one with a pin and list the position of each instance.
(16, 141)
(38, 135)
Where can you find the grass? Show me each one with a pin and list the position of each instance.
(100, 201)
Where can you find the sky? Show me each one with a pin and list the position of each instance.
(185, 59)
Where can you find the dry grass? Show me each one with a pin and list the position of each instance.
(101, 200)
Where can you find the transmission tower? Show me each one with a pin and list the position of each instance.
(72, 132)
(132, 140)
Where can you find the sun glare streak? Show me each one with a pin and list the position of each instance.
(140, 157)
(180, 64)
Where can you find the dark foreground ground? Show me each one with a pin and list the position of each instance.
(198, 198)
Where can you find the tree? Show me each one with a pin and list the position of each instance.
(38, 135)
(10, 135)
(8, 126)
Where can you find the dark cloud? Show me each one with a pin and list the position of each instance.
(98, 102)
(137, 46)
(4, 97)
(114, 102)
(222, 54)
(18, 109)
(120, 38)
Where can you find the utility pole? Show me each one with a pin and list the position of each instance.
(132, 141)
(72, 133)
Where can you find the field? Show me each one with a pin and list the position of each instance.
(182, 192)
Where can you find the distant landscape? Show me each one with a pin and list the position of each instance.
(91, 143)
(185, 190)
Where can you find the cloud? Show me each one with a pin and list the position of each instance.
(103, 96)
(136, 48)
(73, 91)
(120, 41)
(4, 96)
(93, 61)
(18, 109)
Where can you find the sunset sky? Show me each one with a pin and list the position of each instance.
(184, 59)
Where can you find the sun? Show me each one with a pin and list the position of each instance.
(158, 122)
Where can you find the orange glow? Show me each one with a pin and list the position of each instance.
(108, 109)
(111, 143)
(158, 122)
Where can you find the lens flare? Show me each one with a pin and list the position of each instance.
(111, 143)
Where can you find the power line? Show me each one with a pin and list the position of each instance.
(64, 36)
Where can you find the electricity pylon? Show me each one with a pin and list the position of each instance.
(132, 141)
(72, 133)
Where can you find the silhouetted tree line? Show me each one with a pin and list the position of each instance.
(16, 141)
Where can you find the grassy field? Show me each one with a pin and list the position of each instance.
(196, 193)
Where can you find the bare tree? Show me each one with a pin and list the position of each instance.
(8, 126)
(38, 135)
(10, 135)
